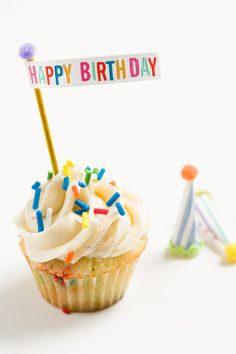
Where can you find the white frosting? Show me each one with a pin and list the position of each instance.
(106, 235)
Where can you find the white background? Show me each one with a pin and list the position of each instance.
(142, 133)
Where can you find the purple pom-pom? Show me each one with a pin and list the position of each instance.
(27, 51)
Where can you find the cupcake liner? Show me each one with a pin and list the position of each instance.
(93, 284)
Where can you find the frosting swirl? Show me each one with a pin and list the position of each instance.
(106, 235)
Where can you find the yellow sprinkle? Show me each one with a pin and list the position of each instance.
(70, 163)
(85, 219)
(230, 252)
(66, 171)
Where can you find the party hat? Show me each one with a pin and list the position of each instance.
(210, 229)
(185, 242)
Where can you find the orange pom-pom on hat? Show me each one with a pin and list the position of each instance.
(189, 173)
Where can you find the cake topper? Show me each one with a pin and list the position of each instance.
(79, 72)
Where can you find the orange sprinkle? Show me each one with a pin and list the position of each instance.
(75, 191)
(189, 173)
(113, 183)
(70, 255)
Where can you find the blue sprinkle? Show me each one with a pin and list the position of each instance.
(81, 184)
(36, 198)
(65, 183)
(39, 217)
(36, 185)
(87, 168)
(112, 200)
(82, 205)
(120, 208)
(101, 173)
(79, 211)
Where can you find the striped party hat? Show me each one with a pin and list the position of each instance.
(185, 242)
(210, 230)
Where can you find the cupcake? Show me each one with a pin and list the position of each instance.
(82, 237)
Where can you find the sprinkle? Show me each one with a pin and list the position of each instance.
(79, 211)
(95, 170)
(66, 170)
(75, 191)
(48, 218)
(55, 278)
(36, 198)
(70, 163)
(87, 168)
(66, 310)
(50, 175)
(39, 217)
(82, 205)
(72, 282)
(59, 280)
(88, 176)
(65, 183)
(81, 184)
(36, 185)
(101, 173)
(101, 211)
(113, 183)
(70, 255)
(113, 198)
(120, 208)
(85, 219)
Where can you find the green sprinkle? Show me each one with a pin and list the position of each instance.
(50, 175)
(72, 282)
(95, 170)
(88, 177)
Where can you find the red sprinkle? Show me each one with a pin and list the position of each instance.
(55, 278)
(66, 310)
(101, 211)
(59, 280)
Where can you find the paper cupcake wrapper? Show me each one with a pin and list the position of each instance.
(89, 293)
(91, 287)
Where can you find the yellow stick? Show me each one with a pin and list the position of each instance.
(46, 130)
(26, 52)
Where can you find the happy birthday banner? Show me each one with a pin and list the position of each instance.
(93, 71)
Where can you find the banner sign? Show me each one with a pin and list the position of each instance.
(93, 71)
